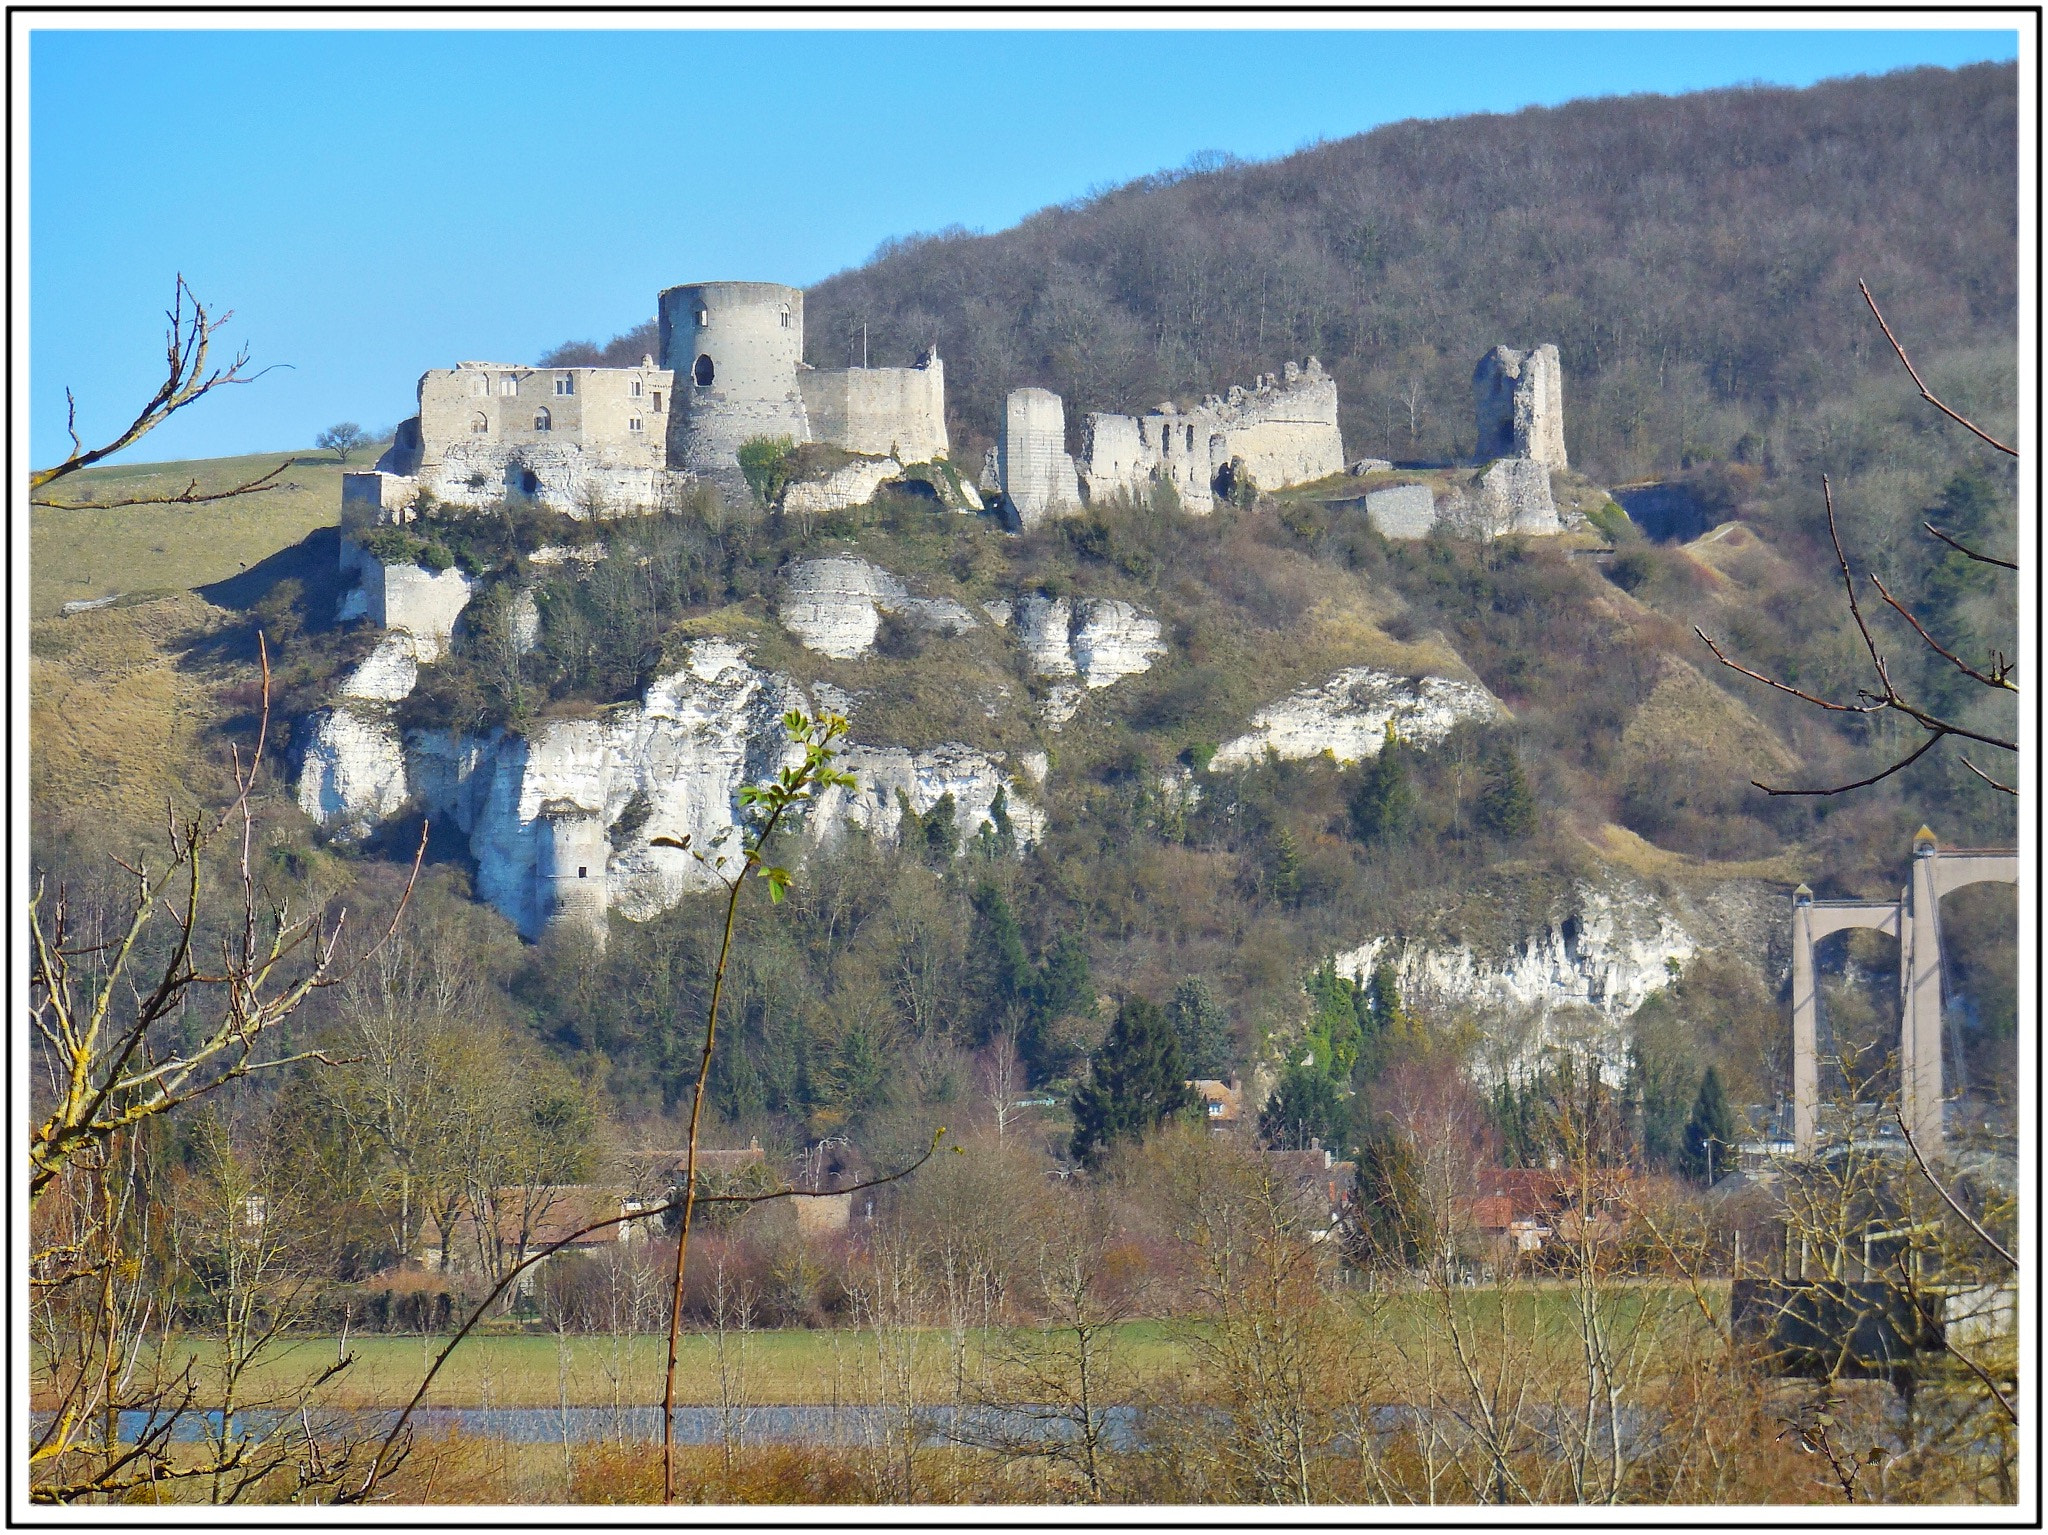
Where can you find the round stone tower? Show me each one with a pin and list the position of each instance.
(569, 873)
(736, 348)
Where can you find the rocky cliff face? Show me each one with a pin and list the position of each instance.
(670, 765)
(835, 606)
(1577, 976)
(1098, 641)
(1348, 717)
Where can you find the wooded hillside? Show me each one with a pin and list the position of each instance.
(1695, 257)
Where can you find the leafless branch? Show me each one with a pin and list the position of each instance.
(384, 1461)
(1949, 1199)
(2002, 788)
(1889, 698)
(1925, 393)
(2001, 672)
(1961, 548)
(1862, 783)
(186, 497)
(186, 381)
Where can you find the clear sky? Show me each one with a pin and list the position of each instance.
(372, 204)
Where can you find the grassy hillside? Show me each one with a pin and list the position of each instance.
(80, 555)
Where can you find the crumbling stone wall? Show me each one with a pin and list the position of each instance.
(898, 412)
(584, 441)
(1281, 432)
(1036, 471)
(1518, 398)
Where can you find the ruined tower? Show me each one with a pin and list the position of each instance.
(736, 349)
(1518, 398)
(569, 871)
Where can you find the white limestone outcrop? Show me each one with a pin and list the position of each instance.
(1576, 979)
(972, 777)
(850, 485)
(1100, 640)
(1348, 716)
(353, 770)
(578, 801)
(388, 673)
(835, 606)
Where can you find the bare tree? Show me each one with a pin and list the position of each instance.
(187, 379)
(131, 1027)
(1888, 696)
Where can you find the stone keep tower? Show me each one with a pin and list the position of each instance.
(569, 872)
(1519, 400)
(736, 349)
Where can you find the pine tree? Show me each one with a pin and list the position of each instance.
(1136, 1079)
(1506, 807)
(1284, 870)
(1305, 1107)
(1383, 805)
(1710, 1132)
(1202, 1027)
(998, 970)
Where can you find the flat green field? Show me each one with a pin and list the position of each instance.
(800, 1366)
(85, 554)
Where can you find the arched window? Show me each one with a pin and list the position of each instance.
(542, 421)
(507, 384)
(703, 371)
(479, 423)
(480, 385)
(785, 317)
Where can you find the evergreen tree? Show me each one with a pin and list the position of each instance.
(1136, 1079)
(1202, 1027)
(1059, 988)
(1710, 1132)
(999, 974)
(1506, 807)
(1383, 805)
(941, 831)
(1305, 1107)
(1283, 872)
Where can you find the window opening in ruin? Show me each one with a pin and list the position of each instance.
(565, 383)
(507, 384)
(657, 402)
(636, 389)
(632, 423)
(703, 317)
(583, 871)
(785, 317)
(529, 482)
(703, 371)
(1191, 439)
(479, 423)
(480, 385)
(543, 421)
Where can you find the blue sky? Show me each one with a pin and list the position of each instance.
(371, 204)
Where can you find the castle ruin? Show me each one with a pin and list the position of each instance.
(604, 442)
(1518, 398)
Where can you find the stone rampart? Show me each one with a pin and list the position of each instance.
(1036, 470)
(1401, 511)
(1283, 432)
(900, 412)
(584, 441)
